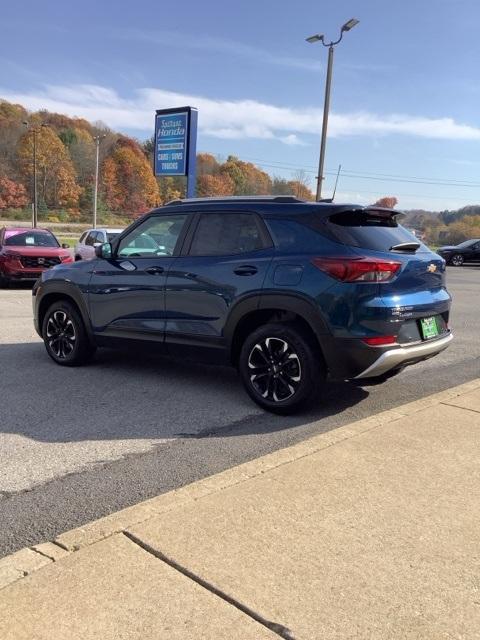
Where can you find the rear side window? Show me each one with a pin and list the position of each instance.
(226, 234)
(377, 231)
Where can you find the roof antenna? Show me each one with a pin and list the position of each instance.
(335, 188)
(336, 182)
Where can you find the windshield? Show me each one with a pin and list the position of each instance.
(467, 243)
(32, 239)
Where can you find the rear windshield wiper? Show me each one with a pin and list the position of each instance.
(405, 246)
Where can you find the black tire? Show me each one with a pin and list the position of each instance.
(78, 258)
(290, 368)
(64, 335)
(4, 282)
(457, 260)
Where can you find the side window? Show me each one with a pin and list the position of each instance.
(156, 236)
(91, 238)
(226, 234)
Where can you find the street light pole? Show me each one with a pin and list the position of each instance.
(35, 130)
(35, 194)
(95, 192)
(326, 105)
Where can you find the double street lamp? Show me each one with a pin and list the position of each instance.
(35, 129)
(321, 38)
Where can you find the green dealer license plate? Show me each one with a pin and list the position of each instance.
(429, 328)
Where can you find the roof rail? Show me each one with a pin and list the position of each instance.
(236, 199)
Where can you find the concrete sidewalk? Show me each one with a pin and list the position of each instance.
(369, 531)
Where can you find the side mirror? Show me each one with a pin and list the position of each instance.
(65, 246)
(104, 251)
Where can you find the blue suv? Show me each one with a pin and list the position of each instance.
(290, 292)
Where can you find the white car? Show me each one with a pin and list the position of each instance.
(85, 247)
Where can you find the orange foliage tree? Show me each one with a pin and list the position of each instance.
(247, 178)
(388, 202)
(56, 175)
(13, 195)
(216, 185)
(128, 182)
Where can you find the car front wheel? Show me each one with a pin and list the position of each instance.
(280, 368)
(457, 260)
(65, 336)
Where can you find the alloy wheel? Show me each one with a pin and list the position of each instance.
(61, 334)
(457, 260)
(275, 369)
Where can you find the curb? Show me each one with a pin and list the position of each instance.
(29, 560)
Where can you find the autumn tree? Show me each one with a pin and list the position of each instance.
(128, 182)
(207, 165)
(81, 147)
(56, 175)
(388, 202)
(216, 185)
(13, 195)
(11, 130)
(248, 179)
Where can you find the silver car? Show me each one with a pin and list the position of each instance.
(85, 247)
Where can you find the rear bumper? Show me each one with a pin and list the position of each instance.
(403, 356)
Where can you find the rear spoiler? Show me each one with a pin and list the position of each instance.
(378, 212)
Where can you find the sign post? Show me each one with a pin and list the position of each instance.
(176, 144)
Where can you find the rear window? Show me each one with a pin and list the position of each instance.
(376, 231)
(31, 239)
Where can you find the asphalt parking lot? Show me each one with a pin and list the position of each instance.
(76, 444)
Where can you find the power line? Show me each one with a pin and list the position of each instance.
(381, 177)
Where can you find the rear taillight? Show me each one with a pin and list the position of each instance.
(358, 269)
(379, 341)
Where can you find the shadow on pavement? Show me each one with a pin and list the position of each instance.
(127, 395)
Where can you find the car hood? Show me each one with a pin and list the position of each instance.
(43, 252)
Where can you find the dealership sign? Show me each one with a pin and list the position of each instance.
(175, 144)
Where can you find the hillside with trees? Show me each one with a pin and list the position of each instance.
(127, 187)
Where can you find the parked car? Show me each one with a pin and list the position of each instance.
(85, 247)
(26, 253)
(468, 251)
(289, 292)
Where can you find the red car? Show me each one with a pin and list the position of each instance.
(25, 253)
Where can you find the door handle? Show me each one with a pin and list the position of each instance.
(245, 270)
(154, 271)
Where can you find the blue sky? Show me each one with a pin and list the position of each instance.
(404, 116)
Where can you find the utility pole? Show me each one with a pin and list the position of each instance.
(326, 106)
(95, 192)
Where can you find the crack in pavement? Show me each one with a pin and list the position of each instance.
(277, 628)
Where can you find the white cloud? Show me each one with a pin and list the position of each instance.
(232, 119)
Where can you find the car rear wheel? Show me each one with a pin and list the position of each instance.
(280, 369)
(64, 335)
(457, 260)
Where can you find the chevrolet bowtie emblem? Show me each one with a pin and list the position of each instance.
(432, 268)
